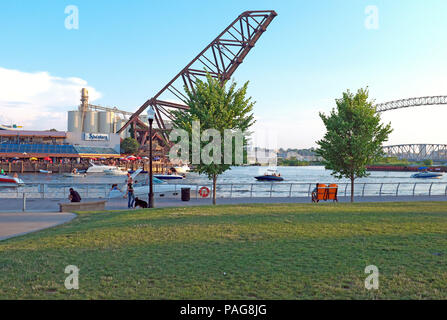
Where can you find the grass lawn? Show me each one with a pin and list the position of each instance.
(284, 251)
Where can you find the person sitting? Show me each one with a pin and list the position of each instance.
(74, 196)
(114, 187)
(74, 171)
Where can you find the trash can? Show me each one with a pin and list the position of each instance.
(186, 194)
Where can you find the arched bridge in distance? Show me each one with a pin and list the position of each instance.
(415, 152)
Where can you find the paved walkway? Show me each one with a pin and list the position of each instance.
(16, 224)
(48, 205)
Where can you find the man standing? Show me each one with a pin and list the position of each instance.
(74, 196)
(130, 194)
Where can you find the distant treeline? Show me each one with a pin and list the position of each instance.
(303, 152)
(293, 162)
(394, 161)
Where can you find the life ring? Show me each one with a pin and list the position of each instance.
(204, 192)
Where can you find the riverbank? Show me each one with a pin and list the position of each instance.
(34, 166)
(284, 251)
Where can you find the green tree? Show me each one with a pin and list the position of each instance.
(354, 137)
(428, 162)
(220, 108)
(129, 145)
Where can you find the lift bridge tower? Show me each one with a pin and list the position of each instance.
(220, 59)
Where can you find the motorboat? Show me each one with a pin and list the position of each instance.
(427, 174)
(6, 180)
(44, 171)
(115, 172)
(160, 187)
(74, 175)
(270, 175)
(168, 176)
(95, 168)
(182, 169)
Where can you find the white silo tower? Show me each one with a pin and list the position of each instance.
(74, 121)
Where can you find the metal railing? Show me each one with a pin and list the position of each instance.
(233, 190)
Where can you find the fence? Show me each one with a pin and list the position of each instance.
(233, 190)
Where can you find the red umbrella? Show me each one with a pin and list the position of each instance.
(47, 159)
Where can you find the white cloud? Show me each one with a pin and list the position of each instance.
(39, 101)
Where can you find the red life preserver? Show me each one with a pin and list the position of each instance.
(204, 192)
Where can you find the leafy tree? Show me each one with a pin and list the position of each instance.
(129, 145)
(220, 108)
(354, 137)
(428, 162)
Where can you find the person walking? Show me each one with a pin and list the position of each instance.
(130, 194)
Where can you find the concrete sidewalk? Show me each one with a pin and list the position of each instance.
(16, 224)
(48, 205)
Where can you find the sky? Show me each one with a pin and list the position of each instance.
(126, 51)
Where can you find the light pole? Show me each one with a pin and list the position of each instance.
(150, 117)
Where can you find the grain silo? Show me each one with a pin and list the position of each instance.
(106, 119)
(91, 122)
(74, 121)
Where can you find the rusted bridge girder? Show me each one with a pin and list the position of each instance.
(220, 59)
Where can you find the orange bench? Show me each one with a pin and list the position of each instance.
(324, 192)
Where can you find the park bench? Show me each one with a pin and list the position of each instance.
(82, 206)
(324, 192)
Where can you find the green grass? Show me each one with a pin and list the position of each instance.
(284, 251)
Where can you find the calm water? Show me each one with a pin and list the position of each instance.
(244, 175)
(247, 185)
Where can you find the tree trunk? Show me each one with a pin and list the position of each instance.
(352, 189)
(214, 188)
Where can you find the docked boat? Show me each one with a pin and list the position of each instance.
(270, 175)
(74, 175)
(168, 176)
(95, 168)
(182, 169)
(160, 187)
(115, 172)
(6, 180)
(427, 175)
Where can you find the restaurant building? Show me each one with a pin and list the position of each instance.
(25, 144)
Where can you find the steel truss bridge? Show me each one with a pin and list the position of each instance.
(415, 152)
(411, 102)
(220, 59)
(418, 152)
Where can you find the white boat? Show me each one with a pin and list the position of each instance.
(95, 168)
(44, 171)
(74, 175)
(115, 172)
(10, 181)
(182, 169)
(160, 187)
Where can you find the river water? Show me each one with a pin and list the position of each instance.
(244, 183)
(241, 175)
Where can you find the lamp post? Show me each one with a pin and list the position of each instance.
(150, 117)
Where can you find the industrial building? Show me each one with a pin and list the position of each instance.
(90, 134)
